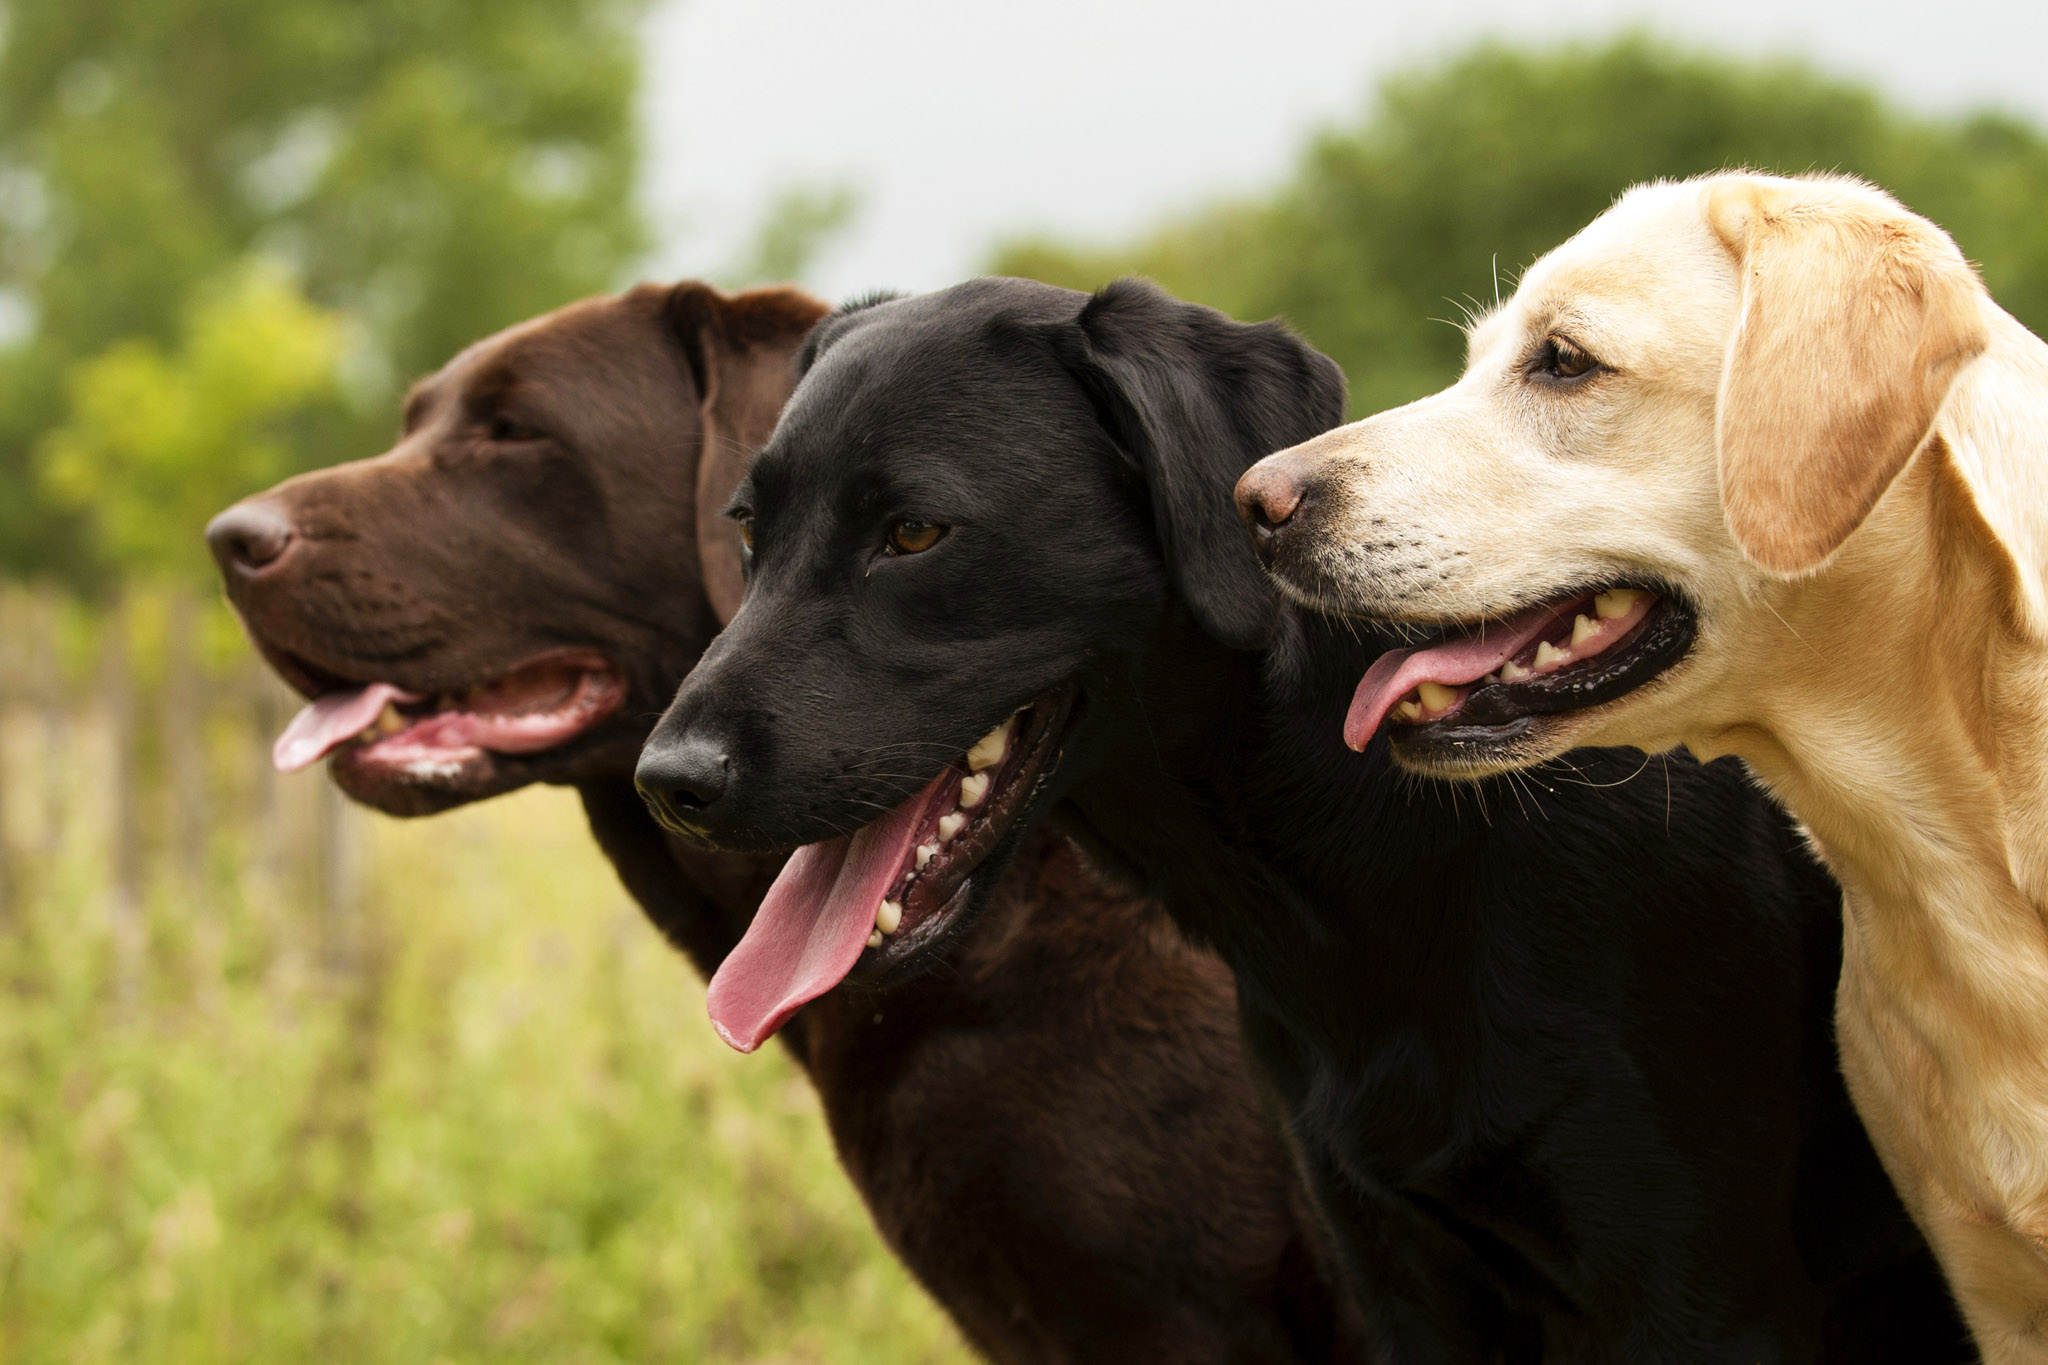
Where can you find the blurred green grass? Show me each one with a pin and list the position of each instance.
(467, 1110)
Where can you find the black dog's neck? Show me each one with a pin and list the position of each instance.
(1228, 789)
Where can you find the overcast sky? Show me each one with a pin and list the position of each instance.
(962, 123)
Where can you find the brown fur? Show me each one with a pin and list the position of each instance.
(1056, 1130)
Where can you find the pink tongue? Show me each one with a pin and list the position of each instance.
(813, 923)
(330, 720)
(1453, 663)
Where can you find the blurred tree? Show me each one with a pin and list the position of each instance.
(158, 442)
(801, 223)
(1459, 177)
(434, 169)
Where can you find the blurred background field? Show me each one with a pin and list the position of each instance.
(280, 1080)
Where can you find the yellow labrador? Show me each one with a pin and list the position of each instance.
(1756, 466)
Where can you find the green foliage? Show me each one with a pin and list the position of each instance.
(156, 443)
(434, 169)
(800, 223)
(1459, 177)
(472, 1112)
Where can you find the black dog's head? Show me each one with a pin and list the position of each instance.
(511, 592)
(978, 511)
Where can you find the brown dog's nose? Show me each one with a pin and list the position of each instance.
(1267, 497)
(248, 536)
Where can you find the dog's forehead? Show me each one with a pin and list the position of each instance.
(1618, 285)
(587, 342)
(922, 392)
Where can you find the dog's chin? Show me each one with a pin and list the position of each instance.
(1575, 683)
(411, 790)
(1475, 752)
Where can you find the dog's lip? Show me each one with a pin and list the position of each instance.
(1480, 677)
(527, 709)
(932, 902)
(860, 898)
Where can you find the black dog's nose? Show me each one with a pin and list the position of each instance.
(679, 780)
(1267, 497)
(249, 536)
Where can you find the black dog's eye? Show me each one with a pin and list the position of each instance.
(746, 525)
(1560, 359)
(913, 537)
(510, 430)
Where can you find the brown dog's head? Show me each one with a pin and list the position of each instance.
(512, 592)
(1681, 417)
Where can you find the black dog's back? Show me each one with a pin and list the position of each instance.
(1557, 1050)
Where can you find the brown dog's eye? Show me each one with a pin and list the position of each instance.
(746, 524)
(511, 430)
(1562, 360)
(913, 537)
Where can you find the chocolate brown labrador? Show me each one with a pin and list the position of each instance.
(1056, 1129)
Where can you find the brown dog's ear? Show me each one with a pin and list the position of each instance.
(1856, 318)
(741, 350)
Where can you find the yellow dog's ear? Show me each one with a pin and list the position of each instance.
(1856, 318)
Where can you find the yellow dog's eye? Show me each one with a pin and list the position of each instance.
(745, 520)
(913, 537)
(1563, 360)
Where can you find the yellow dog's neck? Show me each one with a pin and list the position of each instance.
(1906, 720)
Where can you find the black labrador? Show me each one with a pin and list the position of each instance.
(1556, 1054)
(512, 593)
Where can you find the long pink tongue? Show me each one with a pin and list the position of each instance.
(330, 720)
(812, 924)
(1453, 663)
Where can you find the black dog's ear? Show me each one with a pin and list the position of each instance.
(1195, 398)
(837, 325)
(739, 349)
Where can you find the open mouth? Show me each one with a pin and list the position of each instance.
(384, 730)
(1488, 682)
(888, 891)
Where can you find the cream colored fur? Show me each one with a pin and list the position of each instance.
(1815, 423)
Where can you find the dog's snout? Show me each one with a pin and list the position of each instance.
(681, 779)
(1268, 496)
(249, 537)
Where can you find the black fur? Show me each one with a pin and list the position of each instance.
(1555, 1055)
(1057, 1132)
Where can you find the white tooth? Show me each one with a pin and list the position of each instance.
(389, 722)
(1493, 677)
(950, 825)
(924, 854)
(1548, 656)
(992, 748)
(888, 915)
(1435, 696)
(875, 938)
(1410, 711)
(1513, 672)
(1582, 631)
(972, 789)
(1615, 602)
